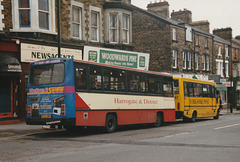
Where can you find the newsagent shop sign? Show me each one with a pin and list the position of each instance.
(117, 57)
(33, 52)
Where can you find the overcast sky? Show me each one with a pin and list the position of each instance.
(220, 13)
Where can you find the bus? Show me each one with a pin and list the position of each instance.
(195, 99)
(73, 93)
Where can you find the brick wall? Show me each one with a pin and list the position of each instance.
(152, 36)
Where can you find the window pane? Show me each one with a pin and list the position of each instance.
(94, 26)
(76, 30)
(76, 14)
(125, 21)
(24, 4)
(24, 16)
(95, 78)
(94, 34)
(43, 5)
(43, 20)
(94, 19)
(113, 20)
(81, 81)
(47, 74)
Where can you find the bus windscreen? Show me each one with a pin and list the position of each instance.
(47, 74)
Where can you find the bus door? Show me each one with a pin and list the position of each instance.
(186, 96)
(214, 98)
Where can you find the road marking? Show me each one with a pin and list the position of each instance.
(227, 126)
(180, 134)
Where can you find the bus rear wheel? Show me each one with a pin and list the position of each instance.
(159, 120)
(111, 123)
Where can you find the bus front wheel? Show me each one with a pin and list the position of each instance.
(194, 116)
(111, 123)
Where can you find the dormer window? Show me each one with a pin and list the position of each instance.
(189, 34)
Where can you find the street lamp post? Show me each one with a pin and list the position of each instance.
(59, 28)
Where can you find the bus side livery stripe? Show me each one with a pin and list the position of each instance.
(52, 90)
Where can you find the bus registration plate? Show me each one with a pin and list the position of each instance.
(46, 116)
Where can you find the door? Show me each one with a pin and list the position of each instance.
(5, 97)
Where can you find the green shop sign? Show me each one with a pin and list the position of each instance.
(118, 58)
(92, 56)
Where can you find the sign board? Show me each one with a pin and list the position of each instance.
(192, 76)
(33, 52)
(117, 57)
(228, 84)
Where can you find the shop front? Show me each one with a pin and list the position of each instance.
(10, 72)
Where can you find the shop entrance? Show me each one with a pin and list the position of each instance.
(6, 107)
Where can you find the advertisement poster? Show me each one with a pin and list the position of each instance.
(114, 57)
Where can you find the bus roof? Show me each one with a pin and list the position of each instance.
(123, 68)
(195, 80)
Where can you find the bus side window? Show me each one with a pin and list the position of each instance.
(185, 89)
(81, 81)
(176, 87)
(168, 88)
(190, 90)
(133, 82)
(114, 80)
(95, 78)
(206, 91)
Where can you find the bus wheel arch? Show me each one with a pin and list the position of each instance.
(159, 119)
(111, 122)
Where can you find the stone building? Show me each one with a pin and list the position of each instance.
(175, 44)
(29, 32)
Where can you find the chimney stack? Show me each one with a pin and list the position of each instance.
(203, 25)
(225, 33)
(237, 37)
(183, 15)
(160, 7)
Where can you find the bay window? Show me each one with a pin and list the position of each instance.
(34, 15)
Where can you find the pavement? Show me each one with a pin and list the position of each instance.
(21, 129)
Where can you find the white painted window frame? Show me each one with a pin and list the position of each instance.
(175, 58)
(34, 19)
(99, 23)
(174, 34)
(82, 20)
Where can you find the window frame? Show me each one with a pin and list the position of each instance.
(114, 28)
(34, 18)
(174, 34)
(80, 6)
(120, 13)
(96, 10)
(175, 58)
(126, 29)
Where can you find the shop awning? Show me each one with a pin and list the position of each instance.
(9, 65)
(221, 87)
